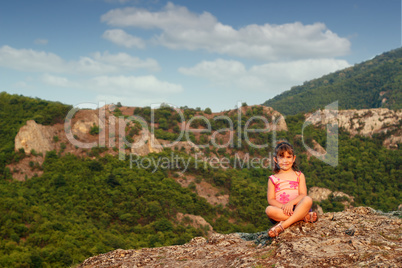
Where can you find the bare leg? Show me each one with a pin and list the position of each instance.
(276, 213)
(301, 210)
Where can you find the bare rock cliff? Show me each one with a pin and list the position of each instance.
(359, 237)
(280, 120)
(34, 136)
(365, 122)
(146, 143)
(319, 194)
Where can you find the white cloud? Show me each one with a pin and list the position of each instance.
(122, 38)
(57, 81)
(125, 61)
(30, 60)
(271, 77)
(101, 63)
(132, 90)
(182, 29)
(98, 74)
(216, 71)
(131, 85)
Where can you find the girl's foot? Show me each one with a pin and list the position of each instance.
(311, 217)
(276, 230)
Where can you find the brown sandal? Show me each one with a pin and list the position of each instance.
(310, 217)
(276, 230)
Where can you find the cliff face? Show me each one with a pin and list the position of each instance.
(36, 137)
(78, 137)
(40, 138)
(365, 122)
(359, 237)
(319, 194)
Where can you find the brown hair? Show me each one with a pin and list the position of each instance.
(280, 149)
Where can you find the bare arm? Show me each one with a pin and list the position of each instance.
(271, 195)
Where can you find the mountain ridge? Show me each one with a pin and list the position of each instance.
(375, 83)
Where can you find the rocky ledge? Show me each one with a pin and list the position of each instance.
(358, 237)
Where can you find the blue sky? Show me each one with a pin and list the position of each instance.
(186, 53)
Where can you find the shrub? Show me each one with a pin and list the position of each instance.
(94, 130)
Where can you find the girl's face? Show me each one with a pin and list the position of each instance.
(285, 161)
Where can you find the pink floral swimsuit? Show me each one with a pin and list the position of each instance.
(285, 190)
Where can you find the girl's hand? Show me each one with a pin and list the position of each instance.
(287, 209)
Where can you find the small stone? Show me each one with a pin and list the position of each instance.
(350, 231)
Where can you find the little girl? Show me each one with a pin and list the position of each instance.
(287, 192)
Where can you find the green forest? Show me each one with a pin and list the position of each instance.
(361, 86)
(15, 110)
(84, 206)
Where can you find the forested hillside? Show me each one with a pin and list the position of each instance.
(375, 83)
(15, 110)
(82, 207)
(90, 204)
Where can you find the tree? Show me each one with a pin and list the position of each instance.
(94, 130)
(208, 110)
(112, 181)
(59, 181)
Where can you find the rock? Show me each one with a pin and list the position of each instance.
(349, 199)
(318, 149)
(363, 210)
(280, 122)
(276, 119)
(87, 119)
(146, 143)
(36, 137)
(375, 242)
(350, 231)
(365, 122)
(178, 145)
(342, 194)
(319, 194)
(392, 142)
(195, 221)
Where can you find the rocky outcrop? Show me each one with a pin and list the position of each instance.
(393, 141)
(188, 146)
(319, 194)
(359, 237)
(278, 117)
(146, 143)
(212, 194)
(195, 221)
(42, 138)
(365, 122)
(86, 120)
(35, 137)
